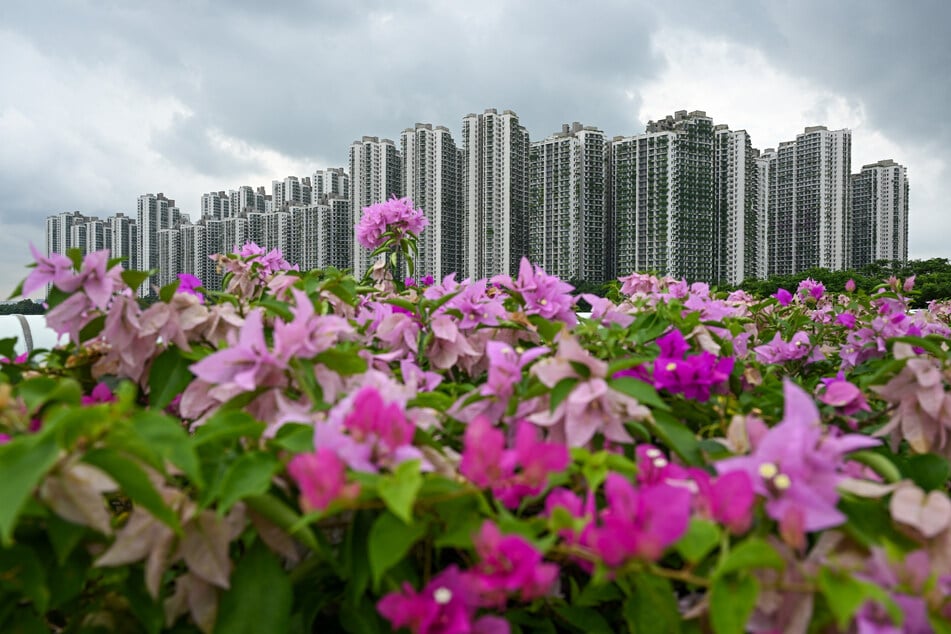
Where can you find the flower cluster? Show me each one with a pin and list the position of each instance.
(392, 219)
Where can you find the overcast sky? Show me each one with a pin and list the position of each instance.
(104, 100)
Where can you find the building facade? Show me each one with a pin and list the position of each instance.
(375, 176)
(567, 210)
(880, 213)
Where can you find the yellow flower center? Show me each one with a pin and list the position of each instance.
(442, 596)
(768, 470)
(670, 367)
(782, 482)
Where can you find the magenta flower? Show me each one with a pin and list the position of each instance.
(844, 396)
(509, 565)
(693, 376)
(810, 288)
(409, 281)
(426, 280)
(100, 394)
(512, 474)
(394, 218)
(321, 478)
(5, 438)
(447, 605)
(783, 296)
(639, 523)
(796, 467)
(542, 294)
(187, 283)
(845, 319)
(727, 499)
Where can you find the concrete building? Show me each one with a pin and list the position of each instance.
(124, 240)
(155, 213)
(433, 181)
(216, 205)
(737, 250)
(495, 185)
(332, 181)
(765, 186)
(810, 222)
(568, 214)
(880, 213)
(375, 176)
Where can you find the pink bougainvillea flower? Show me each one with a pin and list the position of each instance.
(447, 605)
(245, 365)
(188, 283)
(850, 286)
(810, 288)
(395, 217)
(845, 319)
(542, 294)
(797, 467)
(727, 499)
(57, 269)
(509, 565)
(844, 396)
(5, 438)
(321, 478)
(100, 394)
(639, 523)
(783, 296)
(693, 376)
(778, 351)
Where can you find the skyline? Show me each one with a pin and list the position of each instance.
(113, 104)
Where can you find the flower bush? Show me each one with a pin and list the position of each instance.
(302, 451)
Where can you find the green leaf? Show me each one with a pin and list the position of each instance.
(732, 600)
(134, 482)
(643, 392)
(168, 291)
(249, 475)
(39, 391)
(678, 437)
(260, 597)
(398, 490)
(169, 377)
(22, 573)
(652, 607)
(134, 279)
(93, 328)
(166, 436)
(702, 536)
(845, 594)
(588, 620)
(878, 463)
(294, 437)
(750, 554)
(343, 362)
(547, 329)
(228, 426)
(390, 539)
(463, 518)
(277, 307)
(929, 471)
(64, 536)
(561, 391)
(23, 463)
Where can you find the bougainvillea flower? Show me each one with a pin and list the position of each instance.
(543, 294)
(844, 396)
(395, 216)
(321, 478)
(187, 283)
(246, 364)
(447, 605)
(639, 523)
(509, 565)
(783, 296)
(796, 467)
(100, 394)
(779, 351)
(57, 269)
(727, 499)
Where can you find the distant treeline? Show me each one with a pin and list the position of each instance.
(932, 280)
(22, 307)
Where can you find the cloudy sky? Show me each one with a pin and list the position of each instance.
(103, 100)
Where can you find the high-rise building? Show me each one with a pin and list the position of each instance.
(810, 225)
(155, 213)
(375, 175)
(332, 181)
(91, 235)
(216, 205)
(432, 180)
(59, 231)
(124, 240)
(765, 187)
(880, 213)
(568, 214)
(737, 250)
(495, 185)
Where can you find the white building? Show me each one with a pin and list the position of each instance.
(124, 240)
(568, 212)
(810, 225)
(59, 231)
(765, 186)
(880, 213)
(432, 180)
(155, 213)
(375, 170)
(495, 186)
(332, 181)
(737, 252)
(216, 205)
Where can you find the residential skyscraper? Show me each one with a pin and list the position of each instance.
(375, 176)
(59, 231)
(880, 213)
(567, 213)
(765, 188)
(810, 225)
(495, 192)
(432, 180)
(155, 213)
(124, 240)
(332, 181)
(736, 222)
(216, 205)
